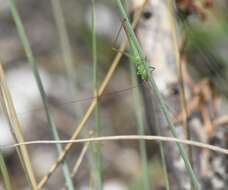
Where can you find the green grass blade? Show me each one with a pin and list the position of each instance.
(182, 152)
(164, 166)
(140, 123)
(64, 39)
(31, 60)
(138, 52)
(140, 126)
(96, 147)
(130, 33)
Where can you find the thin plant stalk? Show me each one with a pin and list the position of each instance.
(78, 162)
(183, 100)
(66, 49)
(96, 148)
(31, 60)
(141, 132)
(139, 53)
(163, 159)
(65, 46)
(16, 128)
(64, 41)
(5, 173)
(179, 65)
(124, 137)
(3, 109)
(182, 152)
(140, 127)
(164, 165)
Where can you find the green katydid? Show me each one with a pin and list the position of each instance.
(143, 68)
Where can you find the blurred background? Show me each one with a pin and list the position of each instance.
(70, 87)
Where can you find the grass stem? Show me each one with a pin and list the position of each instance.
(5, 173)
(140, 126)
(31, 60)
(134, 44)
(16, 129)
(96, 148)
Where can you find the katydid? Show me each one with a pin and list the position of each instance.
(143, 69)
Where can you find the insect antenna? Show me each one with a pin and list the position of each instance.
(123, 52)
(117, 35)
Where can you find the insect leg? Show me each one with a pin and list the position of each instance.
(151, 68)
(117, 35)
